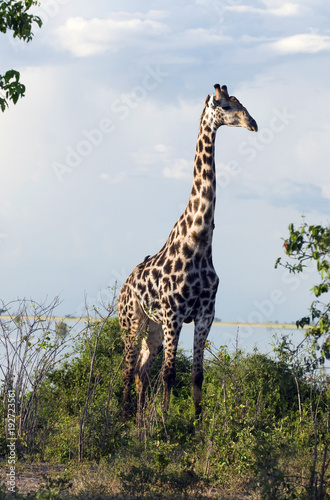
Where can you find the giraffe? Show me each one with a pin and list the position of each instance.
(179, 283)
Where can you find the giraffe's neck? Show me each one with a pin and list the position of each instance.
(199, 213)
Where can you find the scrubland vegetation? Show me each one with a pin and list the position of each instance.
(265, 429)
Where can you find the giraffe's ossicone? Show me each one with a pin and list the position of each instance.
(179, 283)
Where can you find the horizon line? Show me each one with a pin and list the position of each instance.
(215, 323)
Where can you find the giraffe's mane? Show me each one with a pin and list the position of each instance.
(203, 112)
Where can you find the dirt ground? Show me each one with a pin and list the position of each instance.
(30, 477)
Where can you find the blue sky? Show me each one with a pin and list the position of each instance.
(97, 159)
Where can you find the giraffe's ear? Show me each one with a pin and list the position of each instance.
(234, 99)
(207, 99)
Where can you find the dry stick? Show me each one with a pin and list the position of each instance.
(83, 419)
(41, 366)
(164, 424)
(153, 401)
(324, 468)
(324, 461)
(16, 351)
(210, 446)
(299, 399)
(110, 391)
(312, 476)
(25, 358)
(85, 409)
(313, 479)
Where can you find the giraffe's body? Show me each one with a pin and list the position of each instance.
(179, 283)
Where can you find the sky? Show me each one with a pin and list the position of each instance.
(97, 158)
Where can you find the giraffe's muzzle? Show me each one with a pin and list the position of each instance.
(253, 125)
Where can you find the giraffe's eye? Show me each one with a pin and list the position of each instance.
(226, 108)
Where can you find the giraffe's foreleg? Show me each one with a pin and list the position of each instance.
(202, 328)
(171, 337)
(150, 347)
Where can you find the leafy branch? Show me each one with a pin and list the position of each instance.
(15, 16)
(311, 243)
(13, 88)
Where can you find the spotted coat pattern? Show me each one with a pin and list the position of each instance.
(179, 283)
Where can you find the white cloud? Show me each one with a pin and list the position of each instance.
(116, 178)
(95, 36)
(326, 190)
(148, 31)
(285, 10)
(302, 43)
(161, 148)
(196, 37)
(180, 169)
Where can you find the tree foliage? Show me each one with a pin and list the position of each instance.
(310, 244)
(15, 17)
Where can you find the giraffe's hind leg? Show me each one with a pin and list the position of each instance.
(150, 347)
(132, 348)
(133, 322)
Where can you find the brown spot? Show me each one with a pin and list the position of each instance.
(184, 227)
(208, 215)
(145, 274)
(174, 248)
(195, 236)
(207, 159)
(207, 174)
(185, 291)
(178, 265)
(151, 289)
(187, 251)
(156, 275)
(160, 260)
(196, 204)
(172, 302)
(167, 284)
(141, 288)
(207, 192)
(179, 279)
(168, 267)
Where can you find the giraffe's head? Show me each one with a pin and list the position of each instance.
(222, 109)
